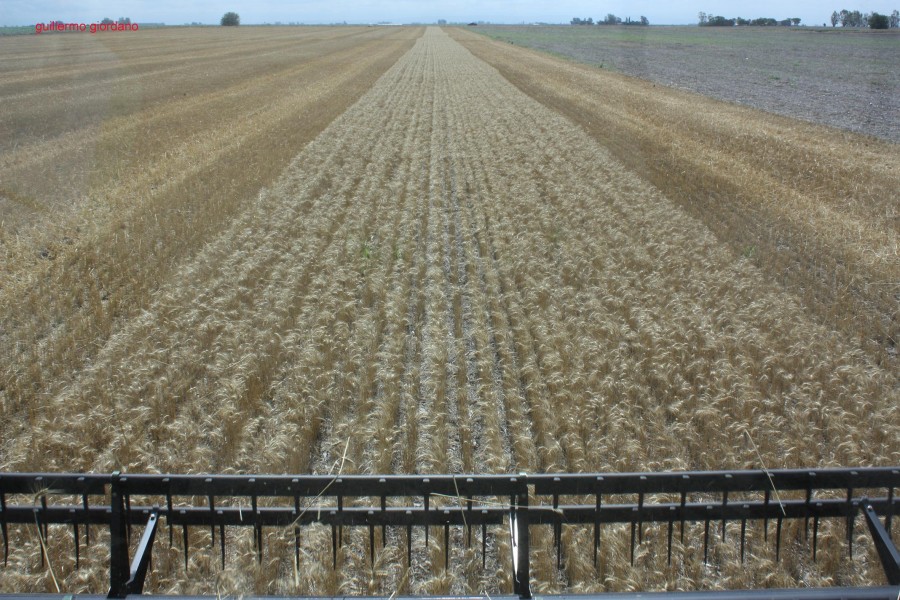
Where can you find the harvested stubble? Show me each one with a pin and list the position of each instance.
(453, 276)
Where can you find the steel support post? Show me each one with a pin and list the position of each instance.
(118, 544)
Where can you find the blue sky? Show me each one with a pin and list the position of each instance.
(174, 12)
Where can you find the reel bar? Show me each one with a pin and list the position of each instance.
(120, 501)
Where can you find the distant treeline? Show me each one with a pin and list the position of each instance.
(854, 18)
(611, 19)
(846, 18)
(16, 29)
(717, 21)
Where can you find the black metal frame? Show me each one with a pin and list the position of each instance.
(701, 496)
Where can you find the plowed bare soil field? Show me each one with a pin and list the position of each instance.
(839, 77)
(402, 250)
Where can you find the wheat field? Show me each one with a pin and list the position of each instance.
(475, 259)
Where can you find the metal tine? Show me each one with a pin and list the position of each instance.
(851, 520)
(169, 508)
(597, 529)
(75, 537)
(296, 530)
(3, 529)
(725, 503)
(409, 542)
(706, 537)
(766, 518)
(212, 509)
(557, 532)
(671, 526)
(40, 526)
(724, 508)
(447, 543)
(383, 528)
(340, 531)
(184, 534)
(296, 545)
(890, 509)
(46, 525)
(150, 558)
(806, 509)
(371, 539)
(257, 528)
(427, 528)
(743, 534)
(221, 537)
(558, 545)
(259, 544)
(483, 543)
(333, 547)
(87, 522)
(778, 539)
(816, 531)
(641, 514)
(127, 518)
(809, 493)
(297, 548)
(470, 510)
(632, 537)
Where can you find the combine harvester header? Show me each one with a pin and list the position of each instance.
(121, 502)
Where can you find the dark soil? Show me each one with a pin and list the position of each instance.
(845, 79)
